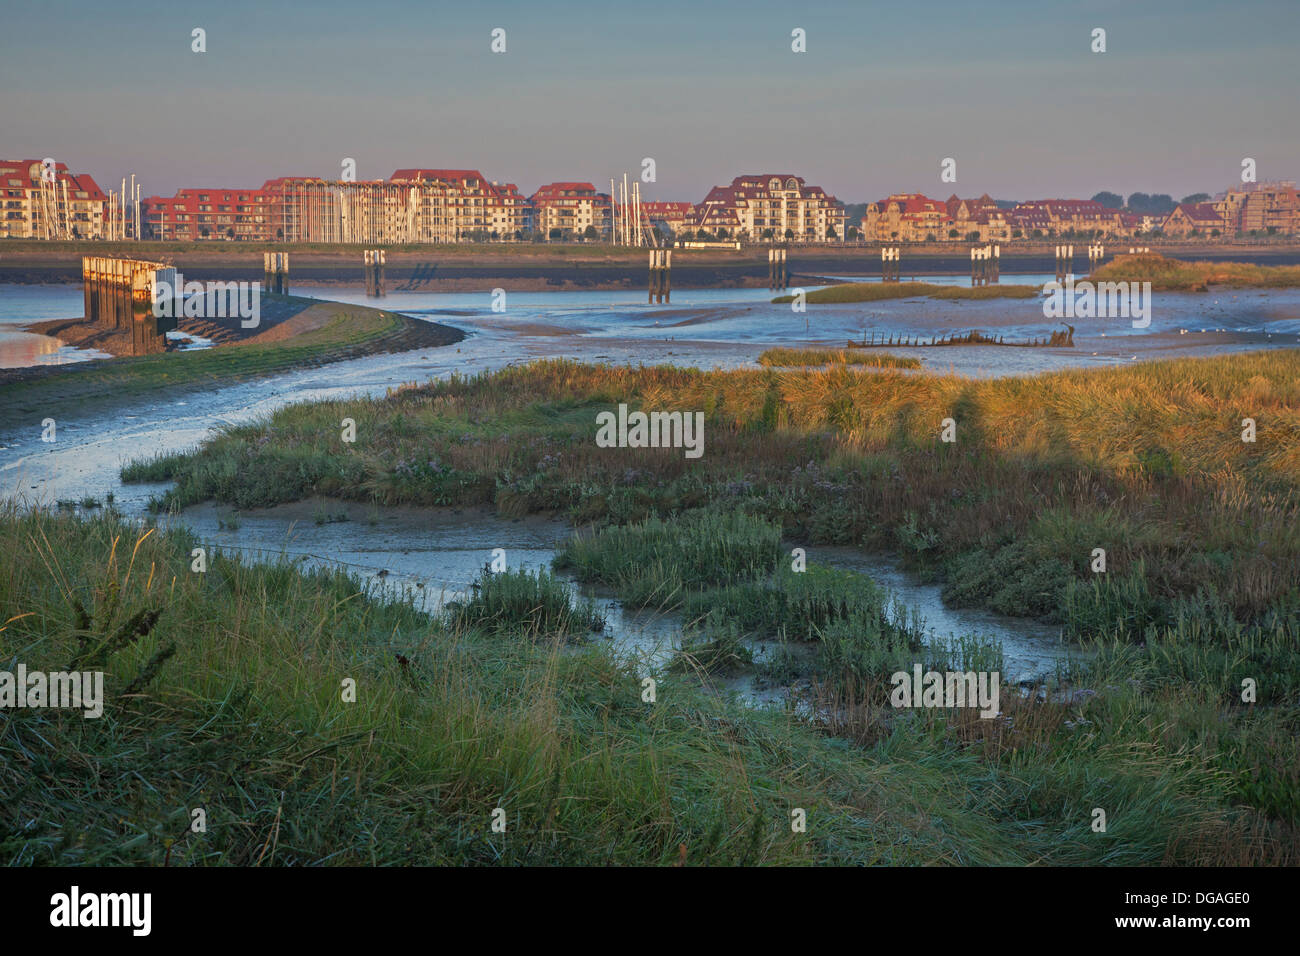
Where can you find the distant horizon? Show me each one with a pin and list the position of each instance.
(877, 101)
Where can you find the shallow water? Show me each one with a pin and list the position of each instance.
(431, 556)
(1029, 649)
(728, 328)
(23, 304)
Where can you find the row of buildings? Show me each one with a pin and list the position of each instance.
(47, 201)
(1254, 209)
(454, 205)
(411, 206)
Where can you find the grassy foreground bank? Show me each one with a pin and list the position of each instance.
(224, 692)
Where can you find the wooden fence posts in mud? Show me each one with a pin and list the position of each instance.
(778, 269)
(375, 260)
(120, 293)
(985, 265)
(661, 279)
(890, 264)
(275, 266)
(1064, 262)
(1058, 339)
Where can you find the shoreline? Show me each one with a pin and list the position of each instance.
(470, 268)
(308, 333)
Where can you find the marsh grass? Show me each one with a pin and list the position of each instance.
(791, 604)
(793, 358)
(246, 720)
(1146, 462)
(523, 602)
(1174, 275)
(657, 561)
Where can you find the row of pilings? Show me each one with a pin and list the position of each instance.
(661, 275)
(119, 294)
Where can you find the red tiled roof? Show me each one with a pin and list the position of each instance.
(446, 175)
(567, 192)
(1200, 212)
(77, 182)
(667, 208)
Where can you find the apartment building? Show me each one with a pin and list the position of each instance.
(54, 204)
(370, 211)
(1194, 219)
(244, 215)
(1260, 208)
(476, 208)
(1055, 217)
(412, 206)
(982, 216)
(772, 207)
(570, 208)
(909, 217)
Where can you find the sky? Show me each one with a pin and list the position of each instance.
(884, 93)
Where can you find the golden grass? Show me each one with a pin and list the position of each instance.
(794, 358)
(1173, 275)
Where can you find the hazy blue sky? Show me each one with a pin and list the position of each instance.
(1011, 90)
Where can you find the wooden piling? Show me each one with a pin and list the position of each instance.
(275, 268)
(778, 269)
(374, 260)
